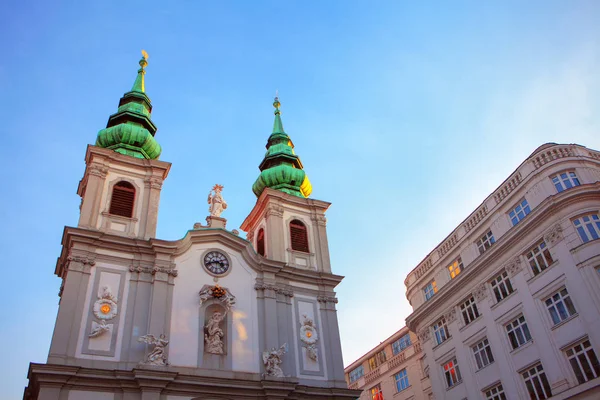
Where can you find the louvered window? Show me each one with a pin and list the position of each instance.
(121, 202)
(260, 242)
(299, 236)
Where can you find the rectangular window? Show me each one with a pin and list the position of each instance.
(440, 331)
(565, 180)
(501, 286)
(452, 373)
(539, 258)
(588, 227)
(495, 393)
(483, 353)
(485, 242)
(583, 360)
(560, 306)
(455, 268)
(429, 290)
(401, 344)
(469, 311)
(356, 374)
(518, 332)
(377, 360)
(519, 212)
(401, 380)
(537, 383)
(376, 393)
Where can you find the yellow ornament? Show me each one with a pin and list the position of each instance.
(105, 309)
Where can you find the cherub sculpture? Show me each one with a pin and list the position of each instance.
(272, 360)
(157, 356)
(216, 202)
(214, 336)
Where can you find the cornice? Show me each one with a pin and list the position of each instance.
(513, 185)
(543, 212)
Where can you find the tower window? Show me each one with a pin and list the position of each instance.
(260, 242)
(122, 199)
(299, 236)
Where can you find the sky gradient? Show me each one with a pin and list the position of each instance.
(405, 115)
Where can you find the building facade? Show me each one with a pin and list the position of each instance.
(391, 370)
(209, 316)
(508, 305)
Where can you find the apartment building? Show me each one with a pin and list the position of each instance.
(391, 370)
(508, 305)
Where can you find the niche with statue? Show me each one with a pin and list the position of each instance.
(216, 324)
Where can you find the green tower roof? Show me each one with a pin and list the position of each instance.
(281, 169)
(130, 130)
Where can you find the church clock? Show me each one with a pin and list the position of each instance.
(216, 262)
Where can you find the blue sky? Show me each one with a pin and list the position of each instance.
(406, 116)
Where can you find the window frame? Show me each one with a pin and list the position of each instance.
(522, 207)
(499, 281)
(441, 327)
(260, 242)
(495, 392)
(576, 357)
(571, 180)
(124, 186)
(522, 327)
(485, 242)
(429, 293)
(362, 373)
(399, 345)
(482, 351)
(583, 227)
(299, 225)
(376, 392)
(456, 265)
(539, 257)
(398, 379)
(450, 368)
(542, 384)
(567, 306)
(469, 310)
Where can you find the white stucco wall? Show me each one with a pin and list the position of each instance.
(185, 323)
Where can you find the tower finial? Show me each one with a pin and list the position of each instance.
(276, 103)
(139, 84)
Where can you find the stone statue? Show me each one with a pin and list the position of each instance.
(214, 336)
(216, 202)
(157, 356)
(272, 361)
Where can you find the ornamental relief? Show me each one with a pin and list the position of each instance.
(309, 337)
(105, 308)
(480, 292)
(554, 235)
(513, 267)
(450, 315)
(424, 335)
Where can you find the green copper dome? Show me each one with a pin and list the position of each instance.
(130, 130)
(281, 169)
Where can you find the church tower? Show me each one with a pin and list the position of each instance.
(208, 316)
(120, 189)
(285, 225)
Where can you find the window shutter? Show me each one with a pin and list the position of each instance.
(260, 242)
(122, 200)
(299, 236)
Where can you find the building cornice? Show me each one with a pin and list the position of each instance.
(546, 156)
(470, 275)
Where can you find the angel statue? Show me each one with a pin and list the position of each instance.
(214, 336)
(157, 356)
(272, 361)
(216, 202)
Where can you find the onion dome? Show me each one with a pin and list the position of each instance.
(281, 169)
(130, 130)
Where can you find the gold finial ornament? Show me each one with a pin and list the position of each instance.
(144, 60)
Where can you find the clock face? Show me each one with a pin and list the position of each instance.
(216, 262)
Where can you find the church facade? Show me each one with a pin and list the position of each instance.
(209, 316)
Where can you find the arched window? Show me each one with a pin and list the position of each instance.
(260, 242)
(298, 236)
(121, 201)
